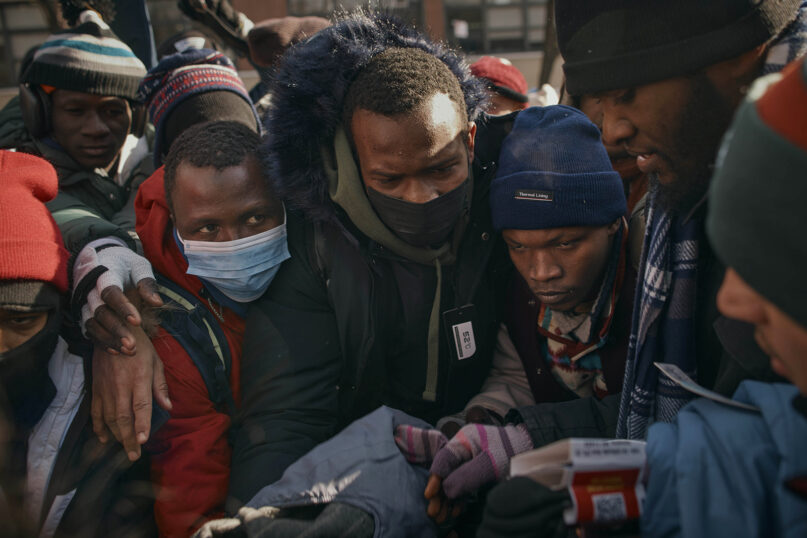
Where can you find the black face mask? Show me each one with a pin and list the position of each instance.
(24, 378)
(421, 225)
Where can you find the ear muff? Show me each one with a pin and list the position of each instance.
(139, 119)
(36, 110)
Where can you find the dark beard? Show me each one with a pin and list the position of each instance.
(703, 122)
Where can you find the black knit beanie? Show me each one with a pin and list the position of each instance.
(220, 105)
(615, 44)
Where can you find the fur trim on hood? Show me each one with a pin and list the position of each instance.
(307, 94)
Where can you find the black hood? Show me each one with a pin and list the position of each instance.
(307, 95)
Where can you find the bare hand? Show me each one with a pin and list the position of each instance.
(122, 389)
(440, 507)
(110, 325)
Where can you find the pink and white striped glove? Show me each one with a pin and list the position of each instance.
(478, 454)
(419, 445)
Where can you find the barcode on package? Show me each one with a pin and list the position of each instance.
(609, 507)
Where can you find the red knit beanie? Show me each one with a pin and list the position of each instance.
(785, 108)
(31, 246)
(503, 77)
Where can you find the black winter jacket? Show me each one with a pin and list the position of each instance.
(343, 330)
(344, 326)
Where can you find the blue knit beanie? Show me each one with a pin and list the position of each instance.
(554, 172)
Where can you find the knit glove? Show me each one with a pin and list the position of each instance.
(523, 508)
(419, 445)
(103, 263)
(477, 455)
(220, 16)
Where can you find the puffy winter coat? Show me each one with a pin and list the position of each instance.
(721, 471)
(190, 453)
(344, 327)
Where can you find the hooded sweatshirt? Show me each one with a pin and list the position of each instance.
(190, 453)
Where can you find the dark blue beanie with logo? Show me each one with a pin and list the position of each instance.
(554, 172)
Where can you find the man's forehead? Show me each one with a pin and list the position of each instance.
(382, 141)
(440, 109)
(248, 171)
(548, 234)
(436, 114)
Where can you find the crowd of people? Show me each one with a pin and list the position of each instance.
(340, 302)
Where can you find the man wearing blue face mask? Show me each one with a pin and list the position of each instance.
(215, 235)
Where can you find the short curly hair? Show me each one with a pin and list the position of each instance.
(398, 81)
(216, 144)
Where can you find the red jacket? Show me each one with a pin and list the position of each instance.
(190, 454)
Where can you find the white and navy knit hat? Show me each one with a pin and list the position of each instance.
(88, 58)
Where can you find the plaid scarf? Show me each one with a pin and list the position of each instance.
(663, 316)
(791, 44)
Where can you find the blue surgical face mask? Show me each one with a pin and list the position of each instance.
(241, 269)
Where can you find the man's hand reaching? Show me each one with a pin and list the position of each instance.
(420, 446)
(478, 455)
(102, 270)
(122, 389)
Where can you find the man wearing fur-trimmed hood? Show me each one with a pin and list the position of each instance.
(392, 294)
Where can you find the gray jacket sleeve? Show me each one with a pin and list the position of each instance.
(506, 386)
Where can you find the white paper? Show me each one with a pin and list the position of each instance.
(687, 383)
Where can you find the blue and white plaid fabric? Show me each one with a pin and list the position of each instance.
(663, 314)
(792, 44)
(663, 323)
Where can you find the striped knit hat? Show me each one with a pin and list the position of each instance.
(189, 74)
(756, 218)
(88, 58)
